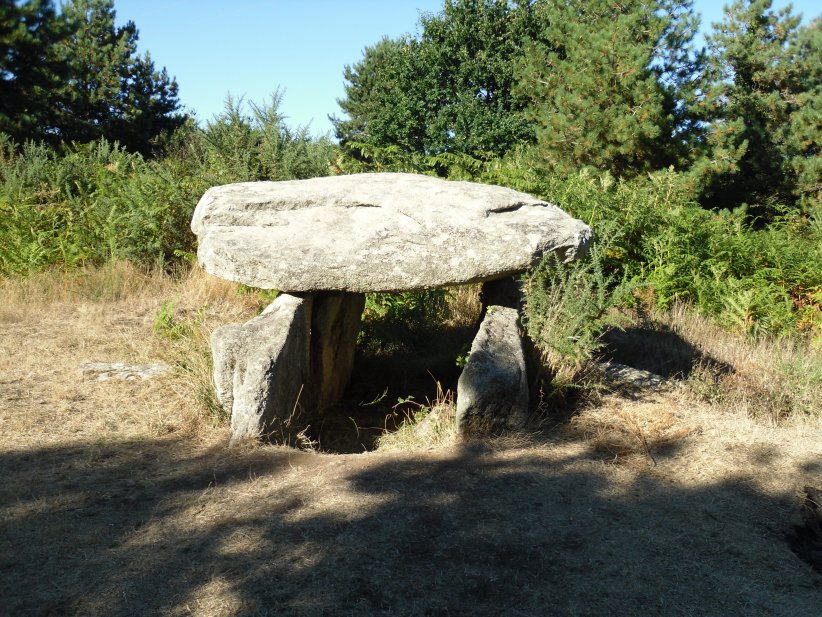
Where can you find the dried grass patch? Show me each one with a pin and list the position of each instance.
(110, 505)
(627, 429)
(777, 380)
(54, 322)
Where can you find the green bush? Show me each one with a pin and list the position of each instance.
(568, 307)
(757, 279)
(393, 320)
(95, 202)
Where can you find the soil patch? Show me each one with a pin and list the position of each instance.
(114, 501)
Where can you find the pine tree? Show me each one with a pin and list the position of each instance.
(113, 92)
(30, 74)
(755, 89)
(804, 138)
(612, 85)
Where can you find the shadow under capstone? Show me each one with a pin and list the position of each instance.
(389, 384)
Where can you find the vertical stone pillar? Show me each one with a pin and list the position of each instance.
(335, 323)
(260, 369)
(280, 371)
(492, 392)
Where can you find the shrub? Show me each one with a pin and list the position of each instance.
(95, 202)
(568, 306)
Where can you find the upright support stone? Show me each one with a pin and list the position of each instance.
(260, 368)
(279, 372)
(492, 392)
(335, 322)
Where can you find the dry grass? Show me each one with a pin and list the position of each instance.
(776, 381)
(120, 498)
(464, 306)
(53, 323)
(431, 426)
(627, 432)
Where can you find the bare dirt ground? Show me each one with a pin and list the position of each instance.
(117, 499)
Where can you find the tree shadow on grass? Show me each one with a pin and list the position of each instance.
(157, 528)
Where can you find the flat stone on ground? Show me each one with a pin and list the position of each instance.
(104, 371)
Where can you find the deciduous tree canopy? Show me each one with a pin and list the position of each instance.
(449, 90)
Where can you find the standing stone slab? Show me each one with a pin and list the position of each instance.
(335, 322)
(492, 392)
(376, 232)
(278, 372)
(260, 368)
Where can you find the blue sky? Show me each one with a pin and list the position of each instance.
(252, 47)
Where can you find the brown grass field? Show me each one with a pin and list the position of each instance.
(121, 498)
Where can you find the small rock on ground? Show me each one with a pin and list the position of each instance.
(104, 371)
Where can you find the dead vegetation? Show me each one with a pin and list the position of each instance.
(120, 498)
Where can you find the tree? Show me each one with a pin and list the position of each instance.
(612, 84)
(385, 99)
(75, 76)
(756, 88)
(30, 73)
(448, 90)
(112, 92)
(804, 139)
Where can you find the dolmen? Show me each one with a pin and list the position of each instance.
(325, 242)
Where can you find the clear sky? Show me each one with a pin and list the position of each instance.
(252, 47)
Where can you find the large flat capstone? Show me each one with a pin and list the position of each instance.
(376, 232)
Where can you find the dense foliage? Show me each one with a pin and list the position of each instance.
(97, 201)
(612, 85)
(448, 91)
(760, 76)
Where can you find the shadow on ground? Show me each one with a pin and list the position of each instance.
(159, 528)
(655, 348)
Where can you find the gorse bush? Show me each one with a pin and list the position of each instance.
(240, 146)
(568, 306)
(95, 202)
(760, 280)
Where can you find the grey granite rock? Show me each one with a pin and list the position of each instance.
(376, 232)
(492, 392)
(260, 368)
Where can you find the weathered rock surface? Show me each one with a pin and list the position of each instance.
(636, 378)
(260, 367)
(277, 372)
(376, 232)
(492, 392)
(335, 322)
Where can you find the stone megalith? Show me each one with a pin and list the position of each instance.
(492, 392)
(330, 240)
(277, 372)
(376, 232)
(261, 368)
